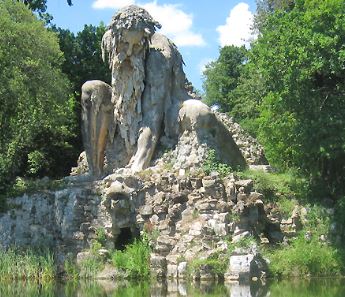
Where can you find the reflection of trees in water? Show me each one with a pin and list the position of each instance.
(291, 288)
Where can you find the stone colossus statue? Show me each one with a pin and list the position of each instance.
(147, 99)
(124, 121)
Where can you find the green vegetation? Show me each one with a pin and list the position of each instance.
(272, 184)
(36, 116)
(40, 6)
(221, 77)
(212, 164)
(308, 255)
(214, 265)
(134, 260)
(35, 265)
(290, 89)
(305, 258)
(40, 112)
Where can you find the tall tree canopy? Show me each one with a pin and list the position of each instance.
(301, 57)
(83, 62)
(221, 76)
(83, 56)
(291, 90)
(36, 114)
(40, 6)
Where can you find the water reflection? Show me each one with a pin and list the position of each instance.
(312, 288)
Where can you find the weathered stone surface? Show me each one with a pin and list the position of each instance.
(245, 267)
(142, 81)
(182, 270)
(158, 265)
(172, 271)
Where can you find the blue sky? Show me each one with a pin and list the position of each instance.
(198, 28)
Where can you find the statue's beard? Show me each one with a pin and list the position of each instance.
(128, 74)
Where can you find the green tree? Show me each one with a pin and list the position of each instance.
(264, 8)
(36, 114)
(83, 56)
(301, 58)
(221, 76)
(83, 62)
(40, 6)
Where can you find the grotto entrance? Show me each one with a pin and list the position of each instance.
(126, 236)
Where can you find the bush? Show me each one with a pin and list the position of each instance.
(212, 163)
(305, 258)
(134, 260)
(273, 185)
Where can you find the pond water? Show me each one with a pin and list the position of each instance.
(296, 288)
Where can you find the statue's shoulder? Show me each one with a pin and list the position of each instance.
(162, 43)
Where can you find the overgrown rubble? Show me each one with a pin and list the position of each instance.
(190, 220)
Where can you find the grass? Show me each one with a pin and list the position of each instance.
(276, 185)
(305, 258)
(217, 264)
(134, 260)
(89, 268)
(212, 164)
(16, 264)
(23, 186)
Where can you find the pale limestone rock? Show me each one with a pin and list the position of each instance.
(245, 267)
(172, 271)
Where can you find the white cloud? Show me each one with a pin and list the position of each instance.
(237, 29)
(100, 4)
(176, 23)
(203, 63)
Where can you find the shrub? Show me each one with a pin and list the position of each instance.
(212, 163)
(305, 258)
(134, 260)
(272, 185)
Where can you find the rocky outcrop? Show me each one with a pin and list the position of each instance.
(188, 218)
(250, 148)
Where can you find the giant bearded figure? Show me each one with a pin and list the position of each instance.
(122, 123)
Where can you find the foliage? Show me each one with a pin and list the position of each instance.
(290, 89)
(82, 62)
(245, 242)
(83, 55)
(40, 6)
(36, 116)
(71, 269)
(215, 265)
(305, 258)
(274, 185)
(134, 260)
(301, 58)
(264, 8)
(212, 164)
(221, 76)
(27, 264)
(89, 267)
(101, 236)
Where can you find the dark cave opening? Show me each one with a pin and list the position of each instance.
(125, 237)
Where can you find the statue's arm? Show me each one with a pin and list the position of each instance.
(97, 116)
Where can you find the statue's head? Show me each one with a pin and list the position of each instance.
(131, 30)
